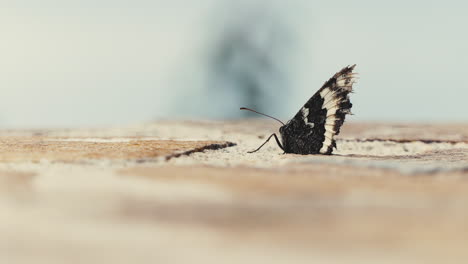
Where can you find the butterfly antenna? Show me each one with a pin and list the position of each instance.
(248, 109)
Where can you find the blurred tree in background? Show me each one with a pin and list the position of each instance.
(248, 60)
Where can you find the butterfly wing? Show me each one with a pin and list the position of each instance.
(313, 128)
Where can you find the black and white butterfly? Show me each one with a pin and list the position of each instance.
(313, 128)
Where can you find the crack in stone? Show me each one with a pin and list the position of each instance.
(201, 149)
(425, 141)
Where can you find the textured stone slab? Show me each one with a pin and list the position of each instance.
(391, 194)
(341, 209)
(35, 149)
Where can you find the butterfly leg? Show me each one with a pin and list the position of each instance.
(277, 141)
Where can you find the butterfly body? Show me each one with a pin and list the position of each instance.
(298, 138)
(313, 128)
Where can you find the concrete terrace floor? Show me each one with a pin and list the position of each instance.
(188, 192)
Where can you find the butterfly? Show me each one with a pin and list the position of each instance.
(313, 128)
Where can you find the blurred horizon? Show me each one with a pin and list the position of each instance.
(100, 63)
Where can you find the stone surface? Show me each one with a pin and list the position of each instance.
(391, 194)
(35, 149)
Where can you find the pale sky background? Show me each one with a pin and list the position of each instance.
(98, 63)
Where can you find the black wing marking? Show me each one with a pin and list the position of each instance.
(313, 128)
